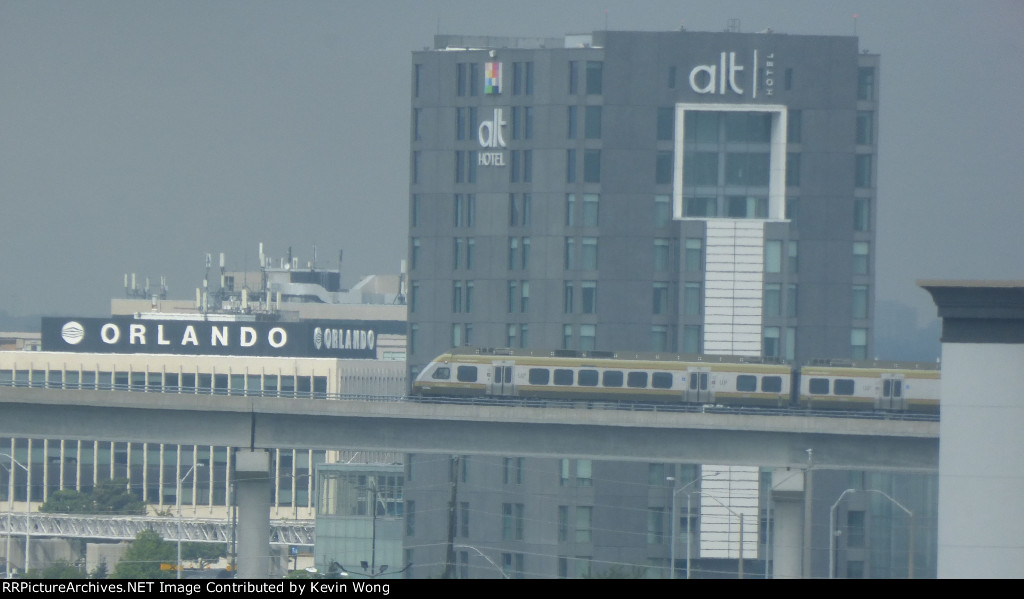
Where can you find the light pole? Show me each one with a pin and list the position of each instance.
(731, 511)
(10, 508)
(177, 498)
(675, 522)
(832, 534)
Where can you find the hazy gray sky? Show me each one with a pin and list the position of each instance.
(137, 136)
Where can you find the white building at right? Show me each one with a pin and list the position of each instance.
(981, 447)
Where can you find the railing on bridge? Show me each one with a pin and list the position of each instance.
(121, 528)
(500, 401)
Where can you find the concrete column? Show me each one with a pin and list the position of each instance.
(788, 516)
(252, 495)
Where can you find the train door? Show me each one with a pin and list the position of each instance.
(698, 385)
(501, 381)
(891, 396)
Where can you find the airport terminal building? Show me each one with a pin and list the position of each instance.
(644, 191)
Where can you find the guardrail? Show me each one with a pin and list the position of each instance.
(514, 402)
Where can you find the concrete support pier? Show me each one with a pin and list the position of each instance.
(252, 495)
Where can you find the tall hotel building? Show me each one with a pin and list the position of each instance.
(644, 191)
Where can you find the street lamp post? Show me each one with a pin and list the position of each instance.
(731, 511)
(675, 522)
(10, 508)
(832, 532)
(181, 480)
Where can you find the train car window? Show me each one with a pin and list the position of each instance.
(611, 378)
(563, 376)
(819, 386)
(466, 374)
(442, 373)
(771, 384)
(843, 387)
(897, 388)
(587, 378)
(661, 380)
(636, 380)
(6, 378)
(746, 382)
(539, 376)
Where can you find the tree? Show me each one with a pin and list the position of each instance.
(59, 570)
(100, 571)
(109, 497)
(204, 553)
(145, 555)
(68, 502)
(112, 497)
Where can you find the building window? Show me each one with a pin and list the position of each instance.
(693, 295)
(570, 210)
(588, 297)
(662, 210)
(660, 296)
(666, 123)
(791, 304)
(510, 337)
(570, 166)
(855, 528)
(655, 525)
(591, 166)
(522, 78)
(694, 254)
(588, 337)
(567, 297)
(860, 257)
(524, 335)
(661, 254)
(591, 208)
(790, 343)
(571, 117)
(861, 214)
(524, 298)
(860, 301)
(563, 518)
(470, 247)
(417, 209)
(410, 518)
(417, 80)
(792, 209)
(465, 210)
(463, 519)
(794, 126)
(512, 564)
(417, 124)
(773, 256)
(414, 292)
(513, 471)
(592, 122)
(692, 339)
(771, 342)
(866, 83)
(659, 338)
(414, 330)
(589, 253)
(793, 262)
(456, 296)
(859, 344)
(663, 167)
(865, 127)
(570, 254)
(513, 253)
(513, 296)
(584, 523)
(525, 243)
(415, 257)
(594, 77)
(773, 299)
(862, 174)
(416, 166)
(574, 77)
(512, 521)
(456, 335)
(461, 78)
(792, 169)
(567, 336)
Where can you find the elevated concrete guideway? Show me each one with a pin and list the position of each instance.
(410, 427)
